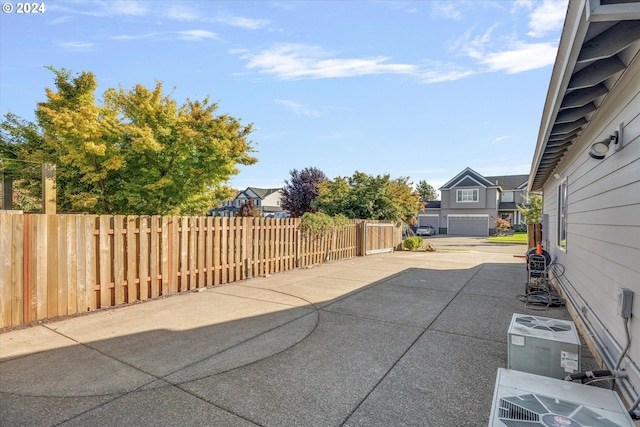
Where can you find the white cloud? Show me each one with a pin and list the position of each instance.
(246, 23)
(504, 53)
(102, 8)
(77, 46)
(196, 34)
(547, 17)
(521, 57)
(189, 14)
(297, 61)
(126, 8)
(499, 139)
(297, 108)
(136, 37)
(447, 10)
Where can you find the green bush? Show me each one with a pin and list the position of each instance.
(319, 223)
(412, 243)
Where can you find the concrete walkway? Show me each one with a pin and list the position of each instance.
(398, 339)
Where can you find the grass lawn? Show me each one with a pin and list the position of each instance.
(517, 238)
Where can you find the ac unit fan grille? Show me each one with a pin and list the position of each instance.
(545, 325)
(532, 410)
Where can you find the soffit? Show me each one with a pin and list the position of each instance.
(599, 41)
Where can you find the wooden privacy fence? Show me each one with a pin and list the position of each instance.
(57, 265)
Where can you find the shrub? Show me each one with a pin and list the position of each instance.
(319, 223)
(412, 243)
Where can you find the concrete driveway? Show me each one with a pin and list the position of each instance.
(398, 339)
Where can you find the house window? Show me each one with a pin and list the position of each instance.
(562, 214)
(470, 195)
(507, 196)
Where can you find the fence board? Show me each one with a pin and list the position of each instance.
(72, 265)
(6, 269)
(54, 265)
(118, 263)
(146, 277)
(91, 271)
(104, 259)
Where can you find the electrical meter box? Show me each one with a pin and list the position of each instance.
(543, 346)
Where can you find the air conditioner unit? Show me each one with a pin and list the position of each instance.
(521, 399)
(543, 346)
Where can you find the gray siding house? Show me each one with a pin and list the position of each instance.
(587, 166)
(470, 203)
(267, 200)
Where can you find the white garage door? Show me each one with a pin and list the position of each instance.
(468, 225)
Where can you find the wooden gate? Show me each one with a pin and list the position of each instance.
(379, 237)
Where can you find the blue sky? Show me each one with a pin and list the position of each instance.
(418, 89)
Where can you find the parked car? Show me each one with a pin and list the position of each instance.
(425, 230)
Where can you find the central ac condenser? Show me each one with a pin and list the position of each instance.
(543, 346)
(521, 399)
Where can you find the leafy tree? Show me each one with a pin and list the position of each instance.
(532, 208)
(502, 225)
(301, 191)
(426, 191)
(367, 197)
(248, 209)
(136, 153)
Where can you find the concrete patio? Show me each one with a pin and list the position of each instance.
(397, 339)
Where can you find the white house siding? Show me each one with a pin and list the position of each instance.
(603, 232)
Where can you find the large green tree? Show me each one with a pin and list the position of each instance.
(426, 191)
(368, 197)
(531, 209)
(136, 152)
(301, 191)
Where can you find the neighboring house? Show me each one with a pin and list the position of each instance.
(267, 200)
(591, 192)
(470, 203)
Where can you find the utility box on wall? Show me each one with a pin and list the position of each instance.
(543, 346)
